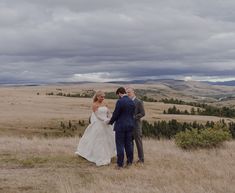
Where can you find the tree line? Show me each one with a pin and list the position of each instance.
(180, 102)
(168, 129)
(208, 110)
(90, 94)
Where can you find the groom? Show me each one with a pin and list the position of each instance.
(123, 116)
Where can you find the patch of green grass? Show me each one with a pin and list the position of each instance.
(61, 161)
(28, 162)
(32, 162)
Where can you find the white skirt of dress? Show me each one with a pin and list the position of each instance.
(97, 143)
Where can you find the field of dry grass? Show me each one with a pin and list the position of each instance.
(49, 165)
(27, 110)
(31, 163)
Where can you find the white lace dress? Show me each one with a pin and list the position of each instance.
(98, 141)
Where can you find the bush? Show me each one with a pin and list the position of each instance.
(206, 138)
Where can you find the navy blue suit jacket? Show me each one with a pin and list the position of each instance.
(123, 115)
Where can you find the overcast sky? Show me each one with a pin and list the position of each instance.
(103, 40)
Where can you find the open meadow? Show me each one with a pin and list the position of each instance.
(49, 165)
(29, 110)
(37, 157)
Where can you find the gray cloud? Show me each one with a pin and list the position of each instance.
(60, 40)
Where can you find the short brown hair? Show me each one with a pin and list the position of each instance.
(121, 90)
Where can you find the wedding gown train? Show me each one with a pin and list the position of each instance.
(98, 141)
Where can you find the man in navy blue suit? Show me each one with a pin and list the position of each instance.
(123, 116)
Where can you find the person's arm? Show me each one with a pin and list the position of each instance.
(109, 114)
(116, 113)
(141, 111)
(94, 109)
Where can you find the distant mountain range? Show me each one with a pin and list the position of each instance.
(147, 81)
(170, 81)
(167, 82)
(161, 88)
(226, 83)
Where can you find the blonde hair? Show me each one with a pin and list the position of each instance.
(97, 94)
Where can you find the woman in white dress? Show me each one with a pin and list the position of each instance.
(98, 141)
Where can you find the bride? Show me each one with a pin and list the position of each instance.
(98, 141)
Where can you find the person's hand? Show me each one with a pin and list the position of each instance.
(106, 121)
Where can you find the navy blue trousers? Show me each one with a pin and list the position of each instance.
(124, 143)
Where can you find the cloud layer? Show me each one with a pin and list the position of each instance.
(75, 40)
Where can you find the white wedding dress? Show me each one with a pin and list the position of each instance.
(98, 141)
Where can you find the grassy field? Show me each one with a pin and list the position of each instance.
(28, 111)
(36, 158)
(49, 165)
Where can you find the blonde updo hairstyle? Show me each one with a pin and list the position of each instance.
(97, 94)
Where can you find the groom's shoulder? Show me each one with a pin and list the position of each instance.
(126, 98)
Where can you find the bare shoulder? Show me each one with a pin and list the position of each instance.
(95, 106)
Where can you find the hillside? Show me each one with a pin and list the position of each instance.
(36, 157)
(27, 110)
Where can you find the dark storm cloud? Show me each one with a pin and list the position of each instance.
(68, 40)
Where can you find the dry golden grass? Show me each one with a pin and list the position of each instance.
(49, 165)
(40, 165)
(24, 113)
